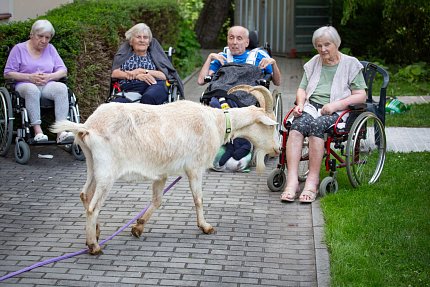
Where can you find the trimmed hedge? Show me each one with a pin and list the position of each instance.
(88, 33)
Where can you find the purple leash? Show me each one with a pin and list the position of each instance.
(69, 255)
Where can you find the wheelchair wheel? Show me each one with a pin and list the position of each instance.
(276, 180)
(277, 106)
(6, 121)
(365, 150)
(175, 95)
(328, 185)
(77, 152)
(22, 152)
(74, 114)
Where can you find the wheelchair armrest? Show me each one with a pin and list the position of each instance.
(171, 81)
(357, 107)
(10, 84)
(265, 81)
(208, 79)
(63, 80)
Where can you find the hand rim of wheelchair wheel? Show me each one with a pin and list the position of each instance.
(357, 160)
(7, 122)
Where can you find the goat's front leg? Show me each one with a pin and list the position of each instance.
(195, 179)
(157, 195)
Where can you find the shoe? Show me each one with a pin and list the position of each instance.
(65, 137)
(40, 137)
(289, 195)
(311, 194)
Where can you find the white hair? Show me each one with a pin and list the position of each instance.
(326, 31)
(42, 26)
(138, 29)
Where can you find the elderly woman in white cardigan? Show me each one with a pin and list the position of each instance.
(330, 83)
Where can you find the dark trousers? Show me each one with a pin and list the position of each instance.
(156, 94)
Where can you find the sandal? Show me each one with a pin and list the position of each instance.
(289, 194)
(40, 137)
(65, 137)
(309, 193)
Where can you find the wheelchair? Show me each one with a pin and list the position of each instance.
(115, 90)
(359, 143)
(216, 95)
(13, 110)
(239, 70)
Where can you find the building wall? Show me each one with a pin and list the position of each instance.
(287, 25)
(21, 10)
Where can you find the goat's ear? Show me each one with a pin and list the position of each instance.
(266, 120)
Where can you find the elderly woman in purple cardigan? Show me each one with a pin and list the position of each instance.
(35, 66)
(331, 82)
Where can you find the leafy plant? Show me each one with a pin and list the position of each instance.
(414, 73)
(190, 10)
(187, 56)
(394, 30)
(88, 33)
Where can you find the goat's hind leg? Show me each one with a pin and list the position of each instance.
(157, 195)
(195, 179)
(92, 228)
(89, 188)
(86, 195)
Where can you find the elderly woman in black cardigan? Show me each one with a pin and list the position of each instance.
(142, 66)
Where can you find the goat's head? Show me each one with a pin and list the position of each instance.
(264, 134)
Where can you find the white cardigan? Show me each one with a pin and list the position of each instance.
(348, 68)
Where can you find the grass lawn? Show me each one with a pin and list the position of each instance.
(379, 235)
(417, 116)
(397, 88)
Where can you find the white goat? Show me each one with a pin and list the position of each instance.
(153, 142)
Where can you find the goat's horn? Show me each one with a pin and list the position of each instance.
(250, 89)
(245, 88)
(266, 96)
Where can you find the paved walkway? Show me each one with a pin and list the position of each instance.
(259, 240)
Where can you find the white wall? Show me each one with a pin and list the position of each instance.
(24, 9)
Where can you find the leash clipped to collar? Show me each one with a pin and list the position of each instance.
(227, 125)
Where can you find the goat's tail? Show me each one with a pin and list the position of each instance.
(259, 156)
(78, 129)
(61, 126)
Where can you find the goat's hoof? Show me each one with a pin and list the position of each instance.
(137, 230)
(94, 249)
(208, 229)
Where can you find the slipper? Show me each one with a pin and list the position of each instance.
(40, 137)
(289, 195)
(65, 137)
(311, 194)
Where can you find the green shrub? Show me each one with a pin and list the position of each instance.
(414, 73)
(88, 33)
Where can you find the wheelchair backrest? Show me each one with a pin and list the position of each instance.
(255, 43)
(370, 72)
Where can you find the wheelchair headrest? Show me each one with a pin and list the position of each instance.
(253, 40)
